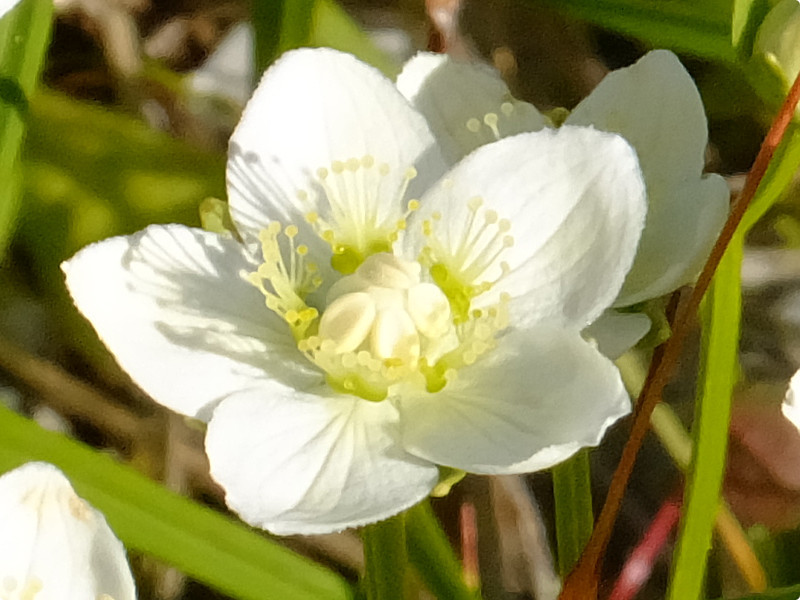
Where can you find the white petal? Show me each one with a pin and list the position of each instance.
(55, 542)
(456, 97)
(655, 105)
(531, 403)
(683, 222)
(791, 404)
(293, 462)
(172, 306)
(574, 202)
(314, 107)
(615, 333)
(7, 5)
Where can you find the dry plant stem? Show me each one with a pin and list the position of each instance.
(583, 582)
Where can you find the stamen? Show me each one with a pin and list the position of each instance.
(285, 288)
(357, 218)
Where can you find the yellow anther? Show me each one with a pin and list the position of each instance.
(312, 217)
(337, 166)
(322, 172)
(508, 241)
(368, 161)
(302, 195)
(328, 235)
(490, 119)
(473, 125)
(436, 215)
(507, 108)
(302, 250)
(383, 169)
(411, 172)
(490, 216)
(291, 231)
(475, 203)
(413, 205)
(504, 225)
(353, 164)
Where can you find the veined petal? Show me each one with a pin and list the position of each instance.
(655, 105)
(531, 403)
(55, 545)
(615, 333)
(172, 305)
(294, 462)
(466, 104)
(552, 216)
(683, 222)
(791, 404)
(327, 135)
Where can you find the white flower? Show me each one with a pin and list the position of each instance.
(371, 324)
(791, 404)
(653, 104)
(54, 544)
(6, 6)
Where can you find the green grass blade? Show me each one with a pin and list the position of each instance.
(698, 27)
(719, 371)
(24, 36)
(574, 517)
(205, 545)
(430, 553)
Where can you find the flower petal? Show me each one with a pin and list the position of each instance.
(6, 6)
(572, 200)
(458, 98)
(172, 306)
(322, 109)
(294, 462)
(535, 400)
(682, 224)
(615, 333)
(791, 404)
(655, 105)
(55, 545)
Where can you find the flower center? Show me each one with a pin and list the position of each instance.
(382, 324)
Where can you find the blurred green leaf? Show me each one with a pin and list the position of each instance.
(430, 553)
(24, 35)
(207, 546)
(572, 489)
(747, 16)
(790, 593)
(698, 27)
(281, 25)
(92, 173)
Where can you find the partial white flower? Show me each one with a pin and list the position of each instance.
(791, 404)
(6, 6)
(54, 544)
(653, 104)
(370, 322)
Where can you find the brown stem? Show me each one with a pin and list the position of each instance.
(582, 583)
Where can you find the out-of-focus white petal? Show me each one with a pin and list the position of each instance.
(322, 109)
(529, 404)
(6, 6)
(615, 333)
(655, 105)
(294, 462)
(229, 70)
(791, 404)
(54, 544)
(459, 98)
(171, 304)
(573, 199)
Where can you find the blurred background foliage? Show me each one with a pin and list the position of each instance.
(129, 127)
